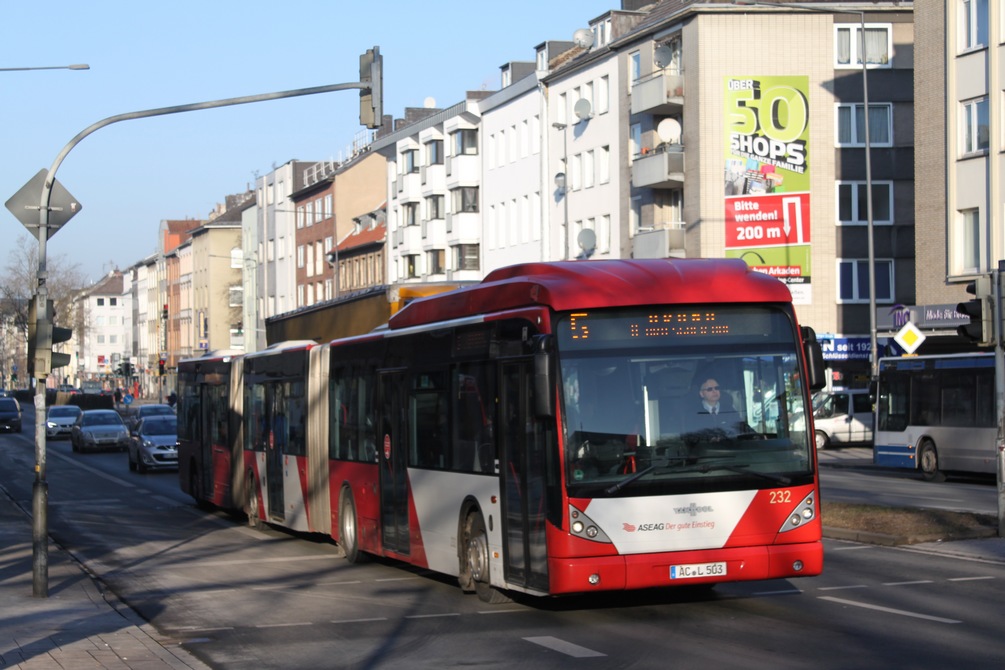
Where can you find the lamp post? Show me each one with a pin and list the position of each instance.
(873, 354)
(78, 66)
(562, 183)
(40, 549)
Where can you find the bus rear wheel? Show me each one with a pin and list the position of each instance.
(928, 462)
(475, 569)
(348, 537)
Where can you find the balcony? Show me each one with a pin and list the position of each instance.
(661, 93)
(662, 168)
(660, 243)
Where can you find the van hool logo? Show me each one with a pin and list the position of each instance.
(691, 510)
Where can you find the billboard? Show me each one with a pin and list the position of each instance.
(767, 178)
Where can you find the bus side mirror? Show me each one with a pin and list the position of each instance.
(814, 355)
(543, 386)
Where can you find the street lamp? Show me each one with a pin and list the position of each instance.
(40, 548)
(873, 357)
(562, 183)
(78, 66)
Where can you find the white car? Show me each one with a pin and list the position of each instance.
(60, 419)
(842, 416)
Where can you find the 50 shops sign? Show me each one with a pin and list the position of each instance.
(767, 176)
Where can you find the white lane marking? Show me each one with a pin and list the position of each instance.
(839, 588)
(920, 581)
(396, 579)
(277, 559)
(379, 618)
(889, 610)
(500, 611)
(564, 647)
(969, 579)
(431, 616)
(284, 625)
(783, 592)
(80, 466)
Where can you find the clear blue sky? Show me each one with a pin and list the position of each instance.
(145, 55)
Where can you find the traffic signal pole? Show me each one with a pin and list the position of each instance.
(40, 489)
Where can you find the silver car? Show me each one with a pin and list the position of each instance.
(153, 444)
(99, 429)
(60, 419)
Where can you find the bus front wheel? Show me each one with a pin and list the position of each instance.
(928, 462)
(348, 537)
(475, 568)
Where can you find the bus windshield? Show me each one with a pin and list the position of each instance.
(655, 403)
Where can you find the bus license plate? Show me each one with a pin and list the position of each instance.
(695, 570)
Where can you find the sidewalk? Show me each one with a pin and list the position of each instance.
(80, 625)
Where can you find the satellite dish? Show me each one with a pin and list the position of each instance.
(669, 131)
(429, 103)
(583, 109)
(663, 56)
(587, 240)
(583, 38)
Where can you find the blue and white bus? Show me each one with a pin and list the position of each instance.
(936, 414)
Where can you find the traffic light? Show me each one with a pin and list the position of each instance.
(371, 99)
(41, 336)
(160, 365)
(981, 312)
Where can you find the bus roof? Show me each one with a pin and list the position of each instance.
(567, 285)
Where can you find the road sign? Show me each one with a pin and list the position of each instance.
(24, 204)
(909, 338)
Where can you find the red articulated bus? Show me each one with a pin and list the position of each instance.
(558, 428)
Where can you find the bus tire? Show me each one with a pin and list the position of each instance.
(475, 570)
(251, 508)
(348, 525)
(928, 462)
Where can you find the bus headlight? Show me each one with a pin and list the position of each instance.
(584, 527)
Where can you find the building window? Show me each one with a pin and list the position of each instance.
(300, 256)
(966, 242)
(466, 256)
(464, 199)
(561, 109)
(409, 161)
(434, 152)
(853, 203)
(465, 142)
(851, 125)
(973, 24)
(848, 45)
(976, 126)
(236, 296)
(236, 257)
(434, 261)
(301, 216)
(410, 210)
(309, 213)
(329, 201)
(635, 140)
(319, 212)
(112, 302)
(588, 172)
(603, 94)
(411, 262)
(853, 281)
(434, 207)
(604, 164)
(634, 68)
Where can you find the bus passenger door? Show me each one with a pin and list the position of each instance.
(524, 463)
(276, 454)
(393, 448)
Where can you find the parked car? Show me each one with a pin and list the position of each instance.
(10, 415)
(99, 429)
(143, 411)
(153, 444)
(842, 416)
(60, 419)
(67, 388)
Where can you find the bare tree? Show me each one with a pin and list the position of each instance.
(20, 278)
